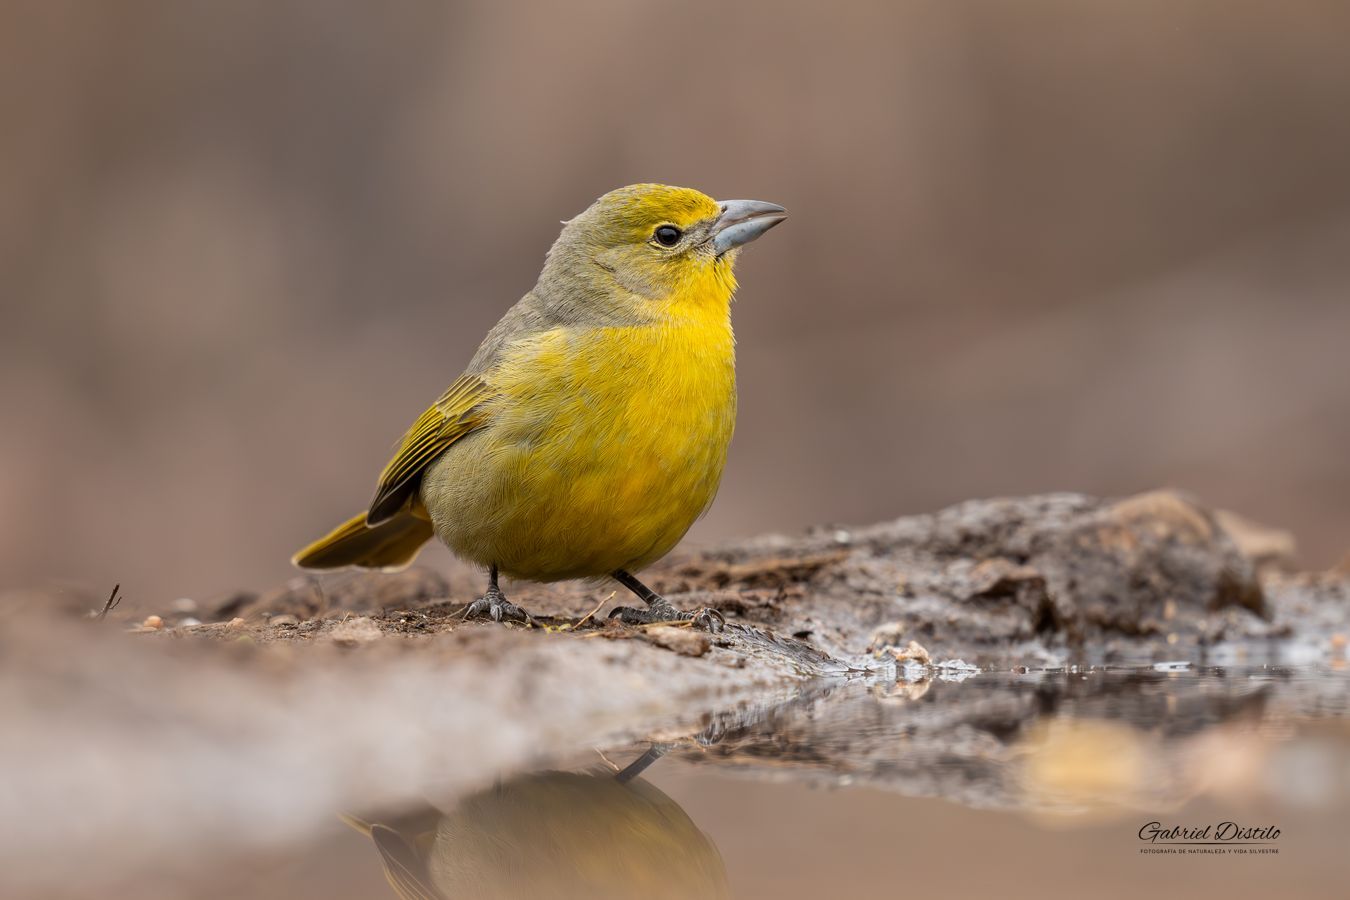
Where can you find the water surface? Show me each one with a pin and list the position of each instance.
(1158, 780)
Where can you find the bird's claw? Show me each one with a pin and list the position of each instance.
(494, 605)
(705, 619)
(708, 619)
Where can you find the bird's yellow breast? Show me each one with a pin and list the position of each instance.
(603, 446)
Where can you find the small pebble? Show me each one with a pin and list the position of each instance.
(153, 622)
(912, 652)
(236, 622)
(352, 632)
(189, 622)
(284, 619)
(887, 635)
(684, 641)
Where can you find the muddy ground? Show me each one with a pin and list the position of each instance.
(252, 721)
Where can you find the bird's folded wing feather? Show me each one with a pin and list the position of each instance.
(458, 412)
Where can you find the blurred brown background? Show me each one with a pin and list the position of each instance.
(1097, 246)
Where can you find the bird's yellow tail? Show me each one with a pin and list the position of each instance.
(392, 544)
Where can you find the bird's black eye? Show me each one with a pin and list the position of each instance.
(668, 235)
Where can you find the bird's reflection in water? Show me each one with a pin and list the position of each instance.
(591, 834)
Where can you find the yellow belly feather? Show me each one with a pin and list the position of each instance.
(602, 449)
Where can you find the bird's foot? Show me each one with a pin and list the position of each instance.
(494, 605)
(660, 610)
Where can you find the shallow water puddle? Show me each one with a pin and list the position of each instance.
(1164, 779)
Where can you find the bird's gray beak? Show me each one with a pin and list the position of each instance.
(742, 221)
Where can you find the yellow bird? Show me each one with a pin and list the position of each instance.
(590, 429)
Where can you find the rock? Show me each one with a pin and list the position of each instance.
(1123, 563)
(1010, 579)
(912, 652)
(1043, 575)
(886, 635)
(684, 641)
(1268, 548)
(354, 632)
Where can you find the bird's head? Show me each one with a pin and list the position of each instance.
(649, 246)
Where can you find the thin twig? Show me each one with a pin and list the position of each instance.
(612, 765)
(112, 602)
(586, 618)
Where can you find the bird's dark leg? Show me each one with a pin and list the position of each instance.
(659, 608)
(494, 604)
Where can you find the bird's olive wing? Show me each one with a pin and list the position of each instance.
(458, 412)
